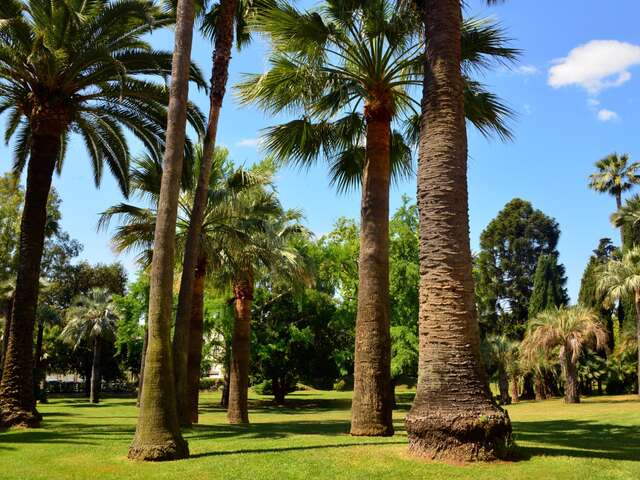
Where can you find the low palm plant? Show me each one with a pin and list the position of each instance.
(92, 318)
(501, 353)
(569, 331)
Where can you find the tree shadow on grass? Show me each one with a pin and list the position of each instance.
(577, 438)
(68, 433)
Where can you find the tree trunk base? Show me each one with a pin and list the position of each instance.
(238, 419)
(11, 416)
(171, 450)
(458, 437)
(371, 430)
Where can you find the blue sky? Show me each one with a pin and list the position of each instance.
(576, 91)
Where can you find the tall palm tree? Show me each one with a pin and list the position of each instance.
(348, 69)
(570, 331)
(453, 392)
(615, 176)
(92, 318)
(70, 67)
(621, 278)
(137, 227)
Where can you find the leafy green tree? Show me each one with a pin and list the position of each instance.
(615, 176)
(570, 331)
(10, 212)
(92, 317)
(70, 68)
(510, 248)
(346, 71)
(549, 283)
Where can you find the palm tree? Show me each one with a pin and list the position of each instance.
(348, 70)
(70, 67)
(92, 318)
(453, 392)
(570, 331)
(501, 352)
(621, 278)
(615, 176)
(138, 225)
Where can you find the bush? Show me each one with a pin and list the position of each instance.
(211, 384)
(341, 385)
(263, 388)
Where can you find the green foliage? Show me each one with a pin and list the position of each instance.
(510, 247)
(548, 285)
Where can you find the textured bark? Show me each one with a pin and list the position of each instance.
(515, 391)
(637, 302)
(196, 341)
(453, 415)
(538, 387)
(372, 405)
(145, 340)
(96, 372)
(5, 337)
(571, 393)
(17, 399)
(158, 434)
(238, 410)
(219, 76)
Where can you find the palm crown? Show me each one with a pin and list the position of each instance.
(615, 175)
(75, 67)
(91, 316)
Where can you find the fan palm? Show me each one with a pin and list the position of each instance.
(501, 352)
(620, 278)
(92, 318)
(138, 224)
(453, 391)
(615, 176)
(71, 67)
(569, 331)
(349, 70)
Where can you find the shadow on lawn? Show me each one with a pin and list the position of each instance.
(577, 438)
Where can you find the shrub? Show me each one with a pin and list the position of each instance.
(211, 384)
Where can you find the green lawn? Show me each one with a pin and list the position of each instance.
(598, 439)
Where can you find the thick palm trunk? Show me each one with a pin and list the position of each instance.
(515, 391)
(372, 406)
(219, 76)
(158, 434)
(538, 387)
(238, 410)
(571, 394)
(637, 302)
(17, 400)
(96, 372)
(145, 341)
(453, 415)
(196, 341)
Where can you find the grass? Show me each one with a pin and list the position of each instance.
(598, 439)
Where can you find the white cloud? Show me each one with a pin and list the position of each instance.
(593, 102)
(527, 70)
(596, 65)
(605, 115)
(248, 142)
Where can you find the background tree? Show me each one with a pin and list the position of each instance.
(571, 330)
(501, 355)
(615, 176)
(510, 247)
(92, 317)
(549, 283)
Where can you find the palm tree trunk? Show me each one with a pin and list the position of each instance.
(37, 374)
(238, 410)
(515, 393)
(571, 394)
(538, 386)
(158, 434)
(196, 341)
(96, 375)
(618, 207)
(279, 384)
(453, 415)
(17, 400)
(145, 341)
(637, 302)
(372, 406)
(219, 76)
(503, 386)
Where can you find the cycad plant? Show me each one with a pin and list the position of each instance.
(92, 318)
(348, 71)
(72, 67)
(569, 331)
(620, 278)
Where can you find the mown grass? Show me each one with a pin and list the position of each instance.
(308, 439)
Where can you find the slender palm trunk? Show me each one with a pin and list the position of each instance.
(637, 302)
(17, 400)
(453, 415)
(372, 405)
(503, 386)
(196, 341)
(96, 371)
(618, 207)
(145, 341)
(219, 76)
(37, 369)
(158, 434)
(571, 394)
(238, 410)
(515, 391)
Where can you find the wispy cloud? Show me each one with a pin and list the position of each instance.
(596, 65)
(248, 142)
(527, 70)
(605, 115)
